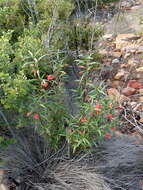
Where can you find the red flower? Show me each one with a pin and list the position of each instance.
(83, 120)
(45, 84)
(120, 108)
(50, 77)
(107, 136)
(109, 116)
(98, 106)
(98, 112)
(28, 114)
(113, 129)
(36, 116)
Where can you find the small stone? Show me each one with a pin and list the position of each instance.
(114, 94)
(115, 61)
(124, 65)
(127, 55)
(108, 37)
(134, 84)
(103, 52)
(132, 62)
(140, 49)
(122, 40)
(141, 91)
(141, 99)
(3, 187)
(141, 120)
(128, 91)
(119, 75)
(115, 83)
(140, 69)
(116, 54)
(133, 104)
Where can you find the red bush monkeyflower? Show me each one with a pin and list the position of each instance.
(45, 84)
(113, 129)
(28, 114)
(109, 116)
(50, 77)
(36, 116)
(98, 106)
(83, 120)
(98, 112)
(107, 136)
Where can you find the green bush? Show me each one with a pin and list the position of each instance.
(35, 42)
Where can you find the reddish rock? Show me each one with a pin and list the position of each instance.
(135, 84)
(128, 91)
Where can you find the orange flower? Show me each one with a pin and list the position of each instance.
(28, 114)
(98, 106)
(113, 129)
(83, 120)
(50, 77)
(109, 116)
(98, 112)
(45, 84)
(36, 116)
(107, 136)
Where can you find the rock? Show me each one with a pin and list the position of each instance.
(115, 83)
(134, 84)
(119, 75)
(115, 61)
(128, 91)
(116, 54)
(114, 94)
(3, 187)
(141, 99)
(132, 62)
(131, 48)
(141, 91)
(139, 50)
(103, 52)
(127, 4)
(140, 69)
(122, 40)
(127, 55)
(124, 65)
(108, 37)
(141, 118)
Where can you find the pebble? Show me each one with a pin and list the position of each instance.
(140, 69)
(119, 75)
(115, 61)
(128, 91)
